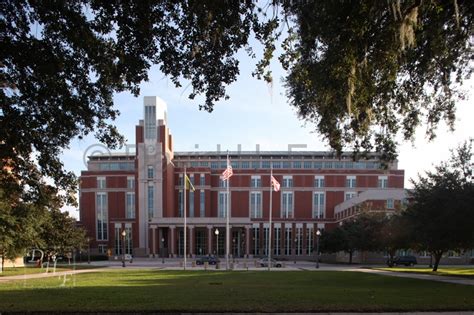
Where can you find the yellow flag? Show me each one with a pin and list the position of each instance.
(188, 184)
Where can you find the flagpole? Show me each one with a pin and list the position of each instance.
(227, 219)
(270, 221)
(185, 225)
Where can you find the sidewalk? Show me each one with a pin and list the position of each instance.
(47, 275)
(412, 275)
(240, 265)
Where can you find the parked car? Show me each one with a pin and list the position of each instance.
(402, 260)
(274, 263)
(211, 260)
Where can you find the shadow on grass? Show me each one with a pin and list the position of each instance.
(196, 291)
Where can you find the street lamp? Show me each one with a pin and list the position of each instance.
(123, 247)
(217, 242)
(318, 235)
(162, 250)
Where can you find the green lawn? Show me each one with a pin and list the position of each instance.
(445, 271)
(196, 291)
(18, 271)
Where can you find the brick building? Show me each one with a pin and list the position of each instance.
(142, 193)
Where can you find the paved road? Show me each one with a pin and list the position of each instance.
(46, 275)
(413, 275)
(241, 264)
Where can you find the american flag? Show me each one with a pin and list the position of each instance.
(275, 184)
(228, 171)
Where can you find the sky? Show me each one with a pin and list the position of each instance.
(257, 114)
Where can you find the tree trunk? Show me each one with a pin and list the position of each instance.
(350, 258)
(3, 262)
(437, 257)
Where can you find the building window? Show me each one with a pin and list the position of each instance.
(338, 164)
(181, 242)
(122, 166)
(102, 248)
(287, 181)
(256, 241)
(351, 181)
(255, 181)
(277, 242)
(222, 204)
(255, 164)
(307, 164)
(390, 204)
(191, 204)
(265, 240)
(102, 216)
(118, 240)
(297, 164)
(309, 241)
(130, 205)
(453, 254)
(150, 172)
(180, 180)
(383, 182)
(214, 165)
(101, 184)
(299, 241)
(151, 201)
(265, 164)
(235, 164)
(150, 122)
(131, 182)
(287, 204)
(318, 165)
(318, 205)
(204, 164)
(128, 240)
(201, 241)
(286, 164)
(328, 164)
(319, 181)
(223, 164)
(349, 195)
(202, 180)
(194, 164)
(180, 204)
(223, 183)
(288, 241)
(246, 164)
(349, 165)
(255, 204)
(202, 204)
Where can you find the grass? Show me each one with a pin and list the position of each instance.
(198, 291)
(18, 271)
(445, 271)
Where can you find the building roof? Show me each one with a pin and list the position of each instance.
(288, 153)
